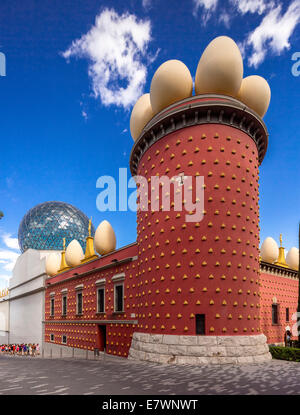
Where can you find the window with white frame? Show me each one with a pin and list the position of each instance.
(64, 304)
(52, 306)
(275, 314)
(119, 297)
(101, 300)
(118, 281)
(79, 302)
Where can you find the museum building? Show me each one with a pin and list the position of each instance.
(186, 292)
(41, 233)
(190, 289)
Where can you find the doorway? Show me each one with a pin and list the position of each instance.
(102, 337)
(200, 324)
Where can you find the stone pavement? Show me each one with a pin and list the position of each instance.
(112, 376)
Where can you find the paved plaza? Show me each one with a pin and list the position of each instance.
(112, 376)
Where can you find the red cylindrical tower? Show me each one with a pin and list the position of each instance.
(199, 280)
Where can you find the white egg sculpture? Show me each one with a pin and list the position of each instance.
(171, 82)
(292, 258)
(74, 253)
(52, 264)
(269, 250)
(140, 116)
(255, 92)
(105, 238)
(220, 68)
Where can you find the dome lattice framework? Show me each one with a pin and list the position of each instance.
(45, 225)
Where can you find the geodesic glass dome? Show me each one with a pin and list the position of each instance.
(45, 226)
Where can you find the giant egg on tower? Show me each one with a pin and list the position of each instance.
(74, 253)
(171, 82)
(141, 114)
(220, 69)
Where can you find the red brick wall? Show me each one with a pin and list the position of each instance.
(86, 335)
(211, 267)
(184, 268)
(285, 289)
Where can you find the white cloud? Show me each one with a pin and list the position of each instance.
(252, 6)
(4, 281)
(242, 48)
(271, 35)
(116, 47)
(146, 3)
(242, 6)
(8, 259)
(208, 6)
(10, 242)
(225, 19)
(274, 32)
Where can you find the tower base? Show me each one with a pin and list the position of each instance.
(197, 350)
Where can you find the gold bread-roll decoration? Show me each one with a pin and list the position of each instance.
(220, 69)
(255, 93)
(140, 115)
(171, 82)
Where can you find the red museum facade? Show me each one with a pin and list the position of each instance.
(183, 278)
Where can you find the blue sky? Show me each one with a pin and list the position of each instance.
(69, 91)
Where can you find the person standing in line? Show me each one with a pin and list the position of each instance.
(37, 349)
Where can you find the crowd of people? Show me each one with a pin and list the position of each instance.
(23, 349)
